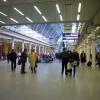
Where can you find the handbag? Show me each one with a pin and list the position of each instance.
(19, 62)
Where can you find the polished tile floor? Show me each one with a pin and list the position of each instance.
(48, 83)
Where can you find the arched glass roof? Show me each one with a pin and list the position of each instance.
(49, 32)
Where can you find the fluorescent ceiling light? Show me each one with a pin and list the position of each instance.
(79, 7)
(14, 20)
(2, 22)
(61, 17)
(97, 28)
(3, 13)
(18, 11)
(58, 9)
(28, 19)
(37, 10)
(4, 0)
(44, 18)
(98, 36)
(78, 17)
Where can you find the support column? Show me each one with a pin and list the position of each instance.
(88, 50)
(81, 48)
(30, 47)
(85, 47)
(45, 51)
(35, 48)
(12, 43)
(23, 46)
(93, 52)
(39, 49)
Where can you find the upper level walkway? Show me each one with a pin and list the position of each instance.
(48, 83)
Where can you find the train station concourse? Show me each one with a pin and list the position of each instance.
(49, 49)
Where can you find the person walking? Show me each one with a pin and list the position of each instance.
(13, 57)
(23, 61)
(98, 59)
(32, 60)
(83, 58)
(75, 61)
(65, 59)
(8, 56)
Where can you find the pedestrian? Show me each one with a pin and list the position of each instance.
(32, 60)
(83, 58)
(65, 59)
(23, 61)
(8, 56)
(75, 61)
(13, 57)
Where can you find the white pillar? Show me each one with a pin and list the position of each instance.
(88, 52)
(23, 46)
(12, 43)
(81, 48)
(30, 47)
(39, 49)
(35, 48)
(85, 47)
(44, 50)
(88, 49)
(93, 52)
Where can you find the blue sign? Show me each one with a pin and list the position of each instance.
(64, 34)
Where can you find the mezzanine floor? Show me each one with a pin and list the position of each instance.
(48, 83)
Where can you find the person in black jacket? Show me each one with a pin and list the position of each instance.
(75, 61)
(83, 57)
(13, 57)
(23, 61)
(65, 59)
(8, 56)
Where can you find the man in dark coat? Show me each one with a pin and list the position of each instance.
(75, 61)
(65, 59)
(13, 57)
(83, 57)
(23, 61)
(8, 56)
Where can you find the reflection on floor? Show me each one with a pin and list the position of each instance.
(48, 83)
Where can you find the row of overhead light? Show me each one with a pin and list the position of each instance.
(37, 9)
(4, 0)
(78, 15)
(79, 10)
(21, 14)
(59, 12)
(97, 28)
(3, 14)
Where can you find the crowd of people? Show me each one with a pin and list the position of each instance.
(67, 58)
(70, 60)
(22, 59)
